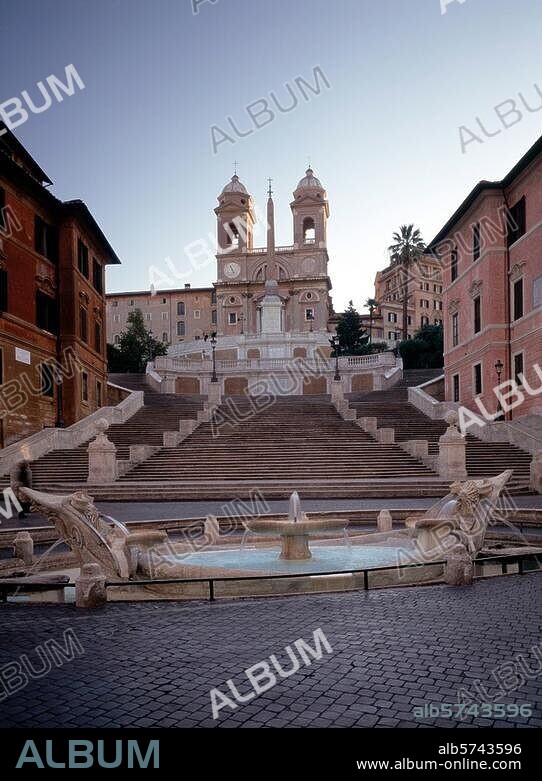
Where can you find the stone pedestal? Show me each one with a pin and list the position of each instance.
(386, 436)
(452, 458)
(295, 547)
(102, 457)
(337, 391)
(90, 588)
(214, 394)
(384, 522)
(459, 570)
(536, 472)
(23, 547)
(369, 425)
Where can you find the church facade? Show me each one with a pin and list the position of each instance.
(266, 302)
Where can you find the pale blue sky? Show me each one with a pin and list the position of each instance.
(135, 144)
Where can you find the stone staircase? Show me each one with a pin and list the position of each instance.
(484, 459)
(161, 412)
(298, 443)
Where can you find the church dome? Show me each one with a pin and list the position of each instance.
(309, 181)
(235, 186)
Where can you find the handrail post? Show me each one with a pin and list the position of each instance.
(211, 590)
(365, 580)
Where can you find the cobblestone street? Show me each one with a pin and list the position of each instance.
(154, 664)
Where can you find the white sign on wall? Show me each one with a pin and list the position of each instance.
(22, 356)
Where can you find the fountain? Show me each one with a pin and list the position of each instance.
(453, 529)
(295, 532)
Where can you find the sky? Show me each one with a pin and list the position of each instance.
(135, 144)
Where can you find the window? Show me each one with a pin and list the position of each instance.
(477, 315)
(437, 289)
(232, 318)
(232, 235)
(424, 303)
(98, 393)
(309, 314)
(97, 276)
(97, 337)
(180, 328)
(164, 301)
(213, 317)
(116, 318)
(148, 316)
(518, 299)
(476, 242)
(392, 317)
(437, 305)
(82, 258)
(409, 319)
(3, 290)
(516, 221)
(309, 231)
(164, 336)
(84, 386)
(438, 322)
(213, 297)
(455, 330)
(518, 368)
(424, 320)
(197, 314)
(83, 323)
(180, 308)
(392, 336)
(164, 315)
(117, 339)
(45, 312)
(46, 380)
(45, 239)
(478, 379)
(455, 387)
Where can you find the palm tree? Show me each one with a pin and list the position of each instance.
(407, 248)
(371, 305)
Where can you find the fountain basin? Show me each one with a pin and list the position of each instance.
(295, 534)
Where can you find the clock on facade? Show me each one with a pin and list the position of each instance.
(232, 269)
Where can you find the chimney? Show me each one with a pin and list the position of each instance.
(187, 286)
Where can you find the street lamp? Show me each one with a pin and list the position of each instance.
(242, 319)
(214, 378)
(334, 342)
(310, 318)
(499, 366)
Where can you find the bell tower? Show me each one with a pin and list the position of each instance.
(310, 210)
(235, 218)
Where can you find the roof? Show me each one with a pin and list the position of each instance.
(309, 181)
(7, 139)
(31, 179)
(485, 185)
(175, 291)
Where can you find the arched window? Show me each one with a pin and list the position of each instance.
(232, 235)
(309, 232)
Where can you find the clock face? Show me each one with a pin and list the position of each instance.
(232, 269)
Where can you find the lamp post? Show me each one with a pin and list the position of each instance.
(214, 378)
(310, 318)
(499, 366)
(242, 319)
(334, 342)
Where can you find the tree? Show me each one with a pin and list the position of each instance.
(371, 305)
(351, 333)
(136, 346)
(406, 250)
(425, 351)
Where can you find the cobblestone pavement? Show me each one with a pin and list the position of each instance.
(154, 664)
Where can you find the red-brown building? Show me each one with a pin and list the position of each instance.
(492, 252)
(52, 303)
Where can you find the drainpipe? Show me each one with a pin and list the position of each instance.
(508, 415)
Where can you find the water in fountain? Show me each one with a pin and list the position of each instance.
(294, 511)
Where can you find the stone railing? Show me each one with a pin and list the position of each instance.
(48, 439)
(436, 410)
(153, 378)
(346, 364)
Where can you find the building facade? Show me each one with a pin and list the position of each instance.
(492, 252)
(233, 307)
(52, 303)
(173, 316)
(425, 298)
